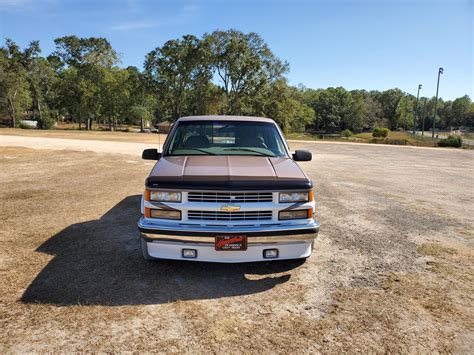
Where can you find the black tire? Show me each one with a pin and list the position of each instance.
(144, 249)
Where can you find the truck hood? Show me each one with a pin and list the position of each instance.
(206, 171)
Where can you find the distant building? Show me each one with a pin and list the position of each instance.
(163, 127)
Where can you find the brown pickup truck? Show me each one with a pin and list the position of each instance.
(227, 189)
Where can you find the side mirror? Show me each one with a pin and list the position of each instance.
(302, 155)
(151, 154)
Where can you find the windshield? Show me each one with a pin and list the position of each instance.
(226, 138)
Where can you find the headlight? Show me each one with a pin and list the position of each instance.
(296, 214)
(165, 214)
(286, 197)
(164, 196)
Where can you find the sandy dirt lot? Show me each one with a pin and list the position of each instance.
(392, 270)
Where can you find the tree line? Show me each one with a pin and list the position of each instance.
(223, 72)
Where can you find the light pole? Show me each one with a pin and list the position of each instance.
(416, 109)
(423, 116)
(440, 71)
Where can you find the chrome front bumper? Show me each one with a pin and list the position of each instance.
(281, 234)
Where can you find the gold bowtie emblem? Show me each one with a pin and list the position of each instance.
(230, 208)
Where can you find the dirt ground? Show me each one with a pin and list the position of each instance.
(392, 270)
(85, 135)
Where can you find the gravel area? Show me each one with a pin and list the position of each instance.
(392, 270)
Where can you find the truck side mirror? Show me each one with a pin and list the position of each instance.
(302, 155)
(151, 154)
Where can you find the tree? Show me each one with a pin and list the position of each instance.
(446, 114)
(77, 52)
(15, 96)
(469, 121)
(141, 101)
(244, 64)
(357, 112)
(87, 57)
(142, 114)
(460, 110)
(390, 100)
(175, 69)
(404, 113)
(373, 113)
(333, 109)
(114, 94)
(44, 91)
(277, 102)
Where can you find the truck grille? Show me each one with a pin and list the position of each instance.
(230, 197)
(230, 216)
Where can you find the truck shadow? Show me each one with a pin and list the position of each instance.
(99, 263)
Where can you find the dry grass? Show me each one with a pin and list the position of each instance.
(383, 278)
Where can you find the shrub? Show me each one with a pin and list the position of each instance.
(451, 141)
(380, 132)
(46, 123)
(347, 133)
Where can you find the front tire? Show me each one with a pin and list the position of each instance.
(144, 248)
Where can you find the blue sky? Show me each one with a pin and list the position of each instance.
(355, 44)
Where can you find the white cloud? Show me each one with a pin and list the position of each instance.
(133, 25)
(185, 14)
(13, 3)
(23, 4)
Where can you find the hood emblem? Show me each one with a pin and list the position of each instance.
(230, 208)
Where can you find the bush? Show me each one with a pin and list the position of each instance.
(347, 133)
(451, 141)
(380, 132)
(46, 122)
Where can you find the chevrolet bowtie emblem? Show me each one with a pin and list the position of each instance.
(230, 208)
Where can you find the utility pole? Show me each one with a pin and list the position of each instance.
(440, 71)
(423, 117)
(416, 109)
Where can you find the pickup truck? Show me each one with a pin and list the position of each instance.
(226, 189)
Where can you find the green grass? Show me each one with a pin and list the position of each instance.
(400, 136)
(302, 136)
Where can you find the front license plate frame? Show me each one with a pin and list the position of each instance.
(230, 243)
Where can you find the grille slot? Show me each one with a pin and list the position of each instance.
(241, 197)
(230, 216)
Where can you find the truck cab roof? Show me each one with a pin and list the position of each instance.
(225, 118)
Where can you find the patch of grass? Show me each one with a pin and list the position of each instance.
(430, 249)
(400, 136)
(302, 136)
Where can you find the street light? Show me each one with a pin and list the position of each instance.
(440, 71)
(416, 109)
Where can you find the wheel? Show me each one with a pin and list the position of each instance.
(144, 248)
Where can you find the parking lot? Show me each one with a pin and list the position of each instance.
(392, 270)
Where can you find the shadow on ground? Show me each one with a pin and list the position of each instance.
(99, 263)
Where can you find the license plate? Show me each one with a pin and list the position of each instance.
(231, 242)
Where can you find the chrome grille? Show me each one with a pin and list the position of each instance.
(230, 216)
(241, 197)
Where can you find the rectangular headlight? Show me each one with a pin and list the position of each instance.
(295, 214)
(286, 197)
(165, 196)
(165, 214)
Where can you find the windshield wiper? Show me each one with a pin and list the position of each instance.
(197, 149)
(250, 150)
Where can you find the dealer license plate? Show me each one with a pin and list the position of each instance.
(231, 242)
